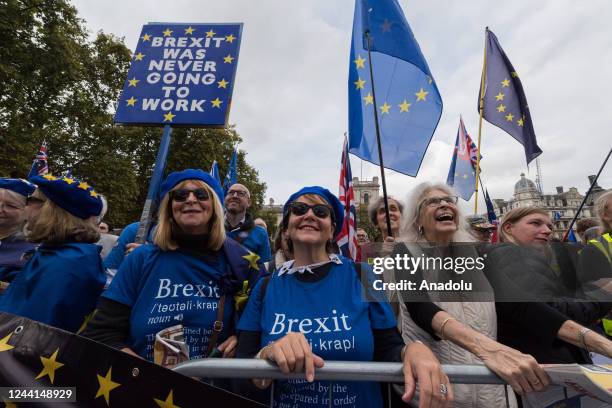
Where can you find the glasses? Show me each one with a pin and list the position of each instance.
(238, 193)
(30, 200)
(181, 194)
(438, 200)
(319, 210)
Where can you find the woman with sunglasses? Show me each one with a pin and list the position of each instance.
(60, 283)
(311, 309)
(188, 277)
(13, 245)
(460, 328)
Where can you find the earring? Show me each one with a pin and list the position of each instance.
(421, 230)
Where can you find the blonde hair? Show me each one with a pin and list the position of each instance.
(216, 229)
(513, 216)
(600, 210)
(56, 226)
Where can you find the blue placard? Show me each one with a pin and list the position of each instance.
(181, 75)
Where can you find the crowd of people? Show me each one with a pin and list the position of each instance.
(208, 268)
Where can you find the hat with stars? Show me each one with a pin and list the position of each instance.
(19, 186)
(75, 196)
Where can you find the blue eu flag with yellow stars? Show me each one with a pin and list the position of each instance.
(407, 98)
(504, 102)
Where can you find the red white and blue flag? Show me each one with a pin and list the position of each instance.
(462, 172)
(40, 166)
(346, 239)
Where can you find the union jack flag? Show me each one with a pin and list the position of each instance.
(40, 165)
(346, 239)
(462, 172)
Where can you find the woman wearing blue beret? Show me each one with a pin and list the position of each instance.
(312, 309)
(190, 279)
(60, 283)
(13, 245)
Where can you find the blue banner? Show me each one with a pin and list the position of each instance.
(181, 75)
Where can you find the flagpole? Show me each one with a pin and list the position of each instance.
(481, 108)
(586, 197)
(380, 155)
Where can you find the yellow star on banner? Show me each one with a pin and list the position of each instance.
(501, 108)
(421, 95)
(230, 38)
(216, 103)
(168, 117)
(106, 386)
(386, 26)
(228, 59)
(520, 122)
(49, 366)
(505, 82)
(168, 403)
(499, 96)
(369, 99)
(223, 83)
(167, 33)
(252, 259)
(50, 177)
(68, 180)
(146, 37)
(189, 30)
(8, 404)
(131, 101)
(359, 83)
(385, 108)
(509, 117)
(359, 62)
(210, 34)
(83, 185)
(514, 74)
(93, 193)
(404, 106)
(4, 346)
(133, 82)
(139, 56)
(86, 320)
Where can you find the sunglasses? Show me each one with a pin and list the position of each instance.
(319, 210)
(181, 194)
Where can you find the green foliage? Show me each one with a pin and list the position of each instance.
(57, 85)
(363, 221)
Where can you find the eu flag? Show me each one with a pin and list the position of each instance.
(490, 209)
(407, 98)
(462, 172)
(231, 176)
(214, 171)
(504, 103)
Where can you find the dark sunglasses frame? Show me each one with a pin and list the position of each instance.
(180, 195)
(319, 210)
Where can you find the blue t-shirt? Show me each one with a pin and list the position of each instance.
(337, 323)
(167, 288)
(58, 286)
(256, 240)
(128, 235)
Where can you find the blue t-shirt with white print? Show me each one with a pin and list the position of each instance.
(166, 288)
(337, 323)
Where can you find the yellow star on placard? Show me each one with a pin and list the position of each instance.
(520, 122)
(359, 83)
(509, 117)
(50, 177)
(68, 180)
(106, 386)
(93, 193)
(385, 108)
(216, 103)
(359, 62)
(501, 108)
(146, 37)
(222, 83)
(368, 99)
(499, 96)
(86, 320)
(8, 404)
(49, 366)
(228, 59)
(404, 106)
(167, 33)
(421, 95)
(131, 101)
(505, 82)
(210, 34)
(230, 38)
(133, 82)
(168, 117)
(252, 258)
(168, 403)
(4, 346)
(189, 30)
(139, 56)
(83, 185)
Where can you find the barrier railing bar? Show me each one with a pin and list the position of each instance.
(332, 371)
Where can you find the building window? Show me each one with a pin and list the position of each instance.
(366, 198)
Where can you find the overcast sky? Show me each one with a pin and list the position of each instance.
(290, 95)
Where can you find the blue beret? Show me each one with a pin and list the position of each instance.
(191, 174)
(324, 193)
(20, 186)
(75, 196)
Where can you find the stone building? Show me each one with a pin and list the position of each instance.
(366, 191)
